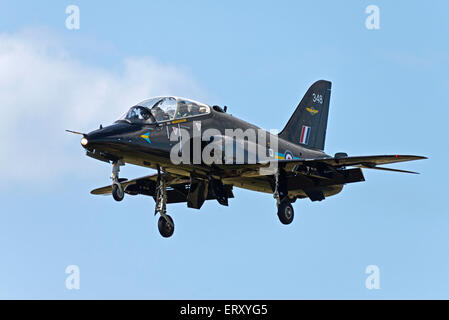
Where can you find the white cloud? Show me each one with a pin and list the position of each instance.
(43, 90)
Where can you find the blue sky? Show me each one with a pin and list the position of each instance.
(389, 96)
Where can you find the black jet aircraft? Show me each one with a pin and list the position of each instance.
(293, 165)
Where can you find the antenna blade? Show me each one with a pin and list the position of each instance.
(76, 132)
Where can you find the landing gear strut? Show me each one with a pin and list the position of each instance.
(118, 192)
(285, 209)
(165, 224)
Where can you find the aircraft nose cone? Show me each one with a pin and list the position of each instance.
(84, 142)
(109, 137)
(93, 139)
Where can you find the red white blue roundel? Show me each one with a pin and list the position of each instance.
(288, 155)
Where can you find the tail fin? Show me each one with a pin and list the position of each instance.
(307, 126)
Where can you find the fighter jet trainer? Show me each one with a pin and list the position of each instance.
(201, 152)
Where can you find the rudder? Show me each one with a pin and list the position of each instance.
(307, 126)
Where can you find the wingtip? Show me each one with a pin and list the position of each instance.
(411, 157)
(419, 157)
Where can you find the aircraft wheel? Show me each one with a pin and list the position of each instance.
(285, 212)
(166, 228)
(117, 192)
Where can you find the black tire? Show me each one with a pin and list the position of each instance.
(166, 229)
(117, 192)
(285, 212)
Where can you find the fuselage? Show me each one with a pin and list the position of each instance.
(149, 145)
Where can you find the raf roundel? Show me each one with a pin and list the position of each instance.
(288, 155)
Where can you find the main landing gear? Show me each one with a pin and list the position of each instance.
(165, 223)
(118, 193)
(285, 209)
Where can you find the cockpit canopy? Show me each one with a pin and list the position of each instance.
(164, 109)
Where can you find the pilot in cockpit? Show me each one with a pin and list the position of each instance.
(160, 114)
(185, 110)
(138, 114)
(144, 114)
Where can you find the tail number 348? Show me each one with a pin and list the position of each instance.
(317, 98)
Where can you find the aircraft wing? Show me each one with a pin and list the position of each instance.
(178, 188)
(313, 178)
(108, 189)
(366, 162)
(369, 162)
(147, 183)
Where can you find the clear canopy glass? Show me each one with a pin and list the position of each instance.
(164, 109)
